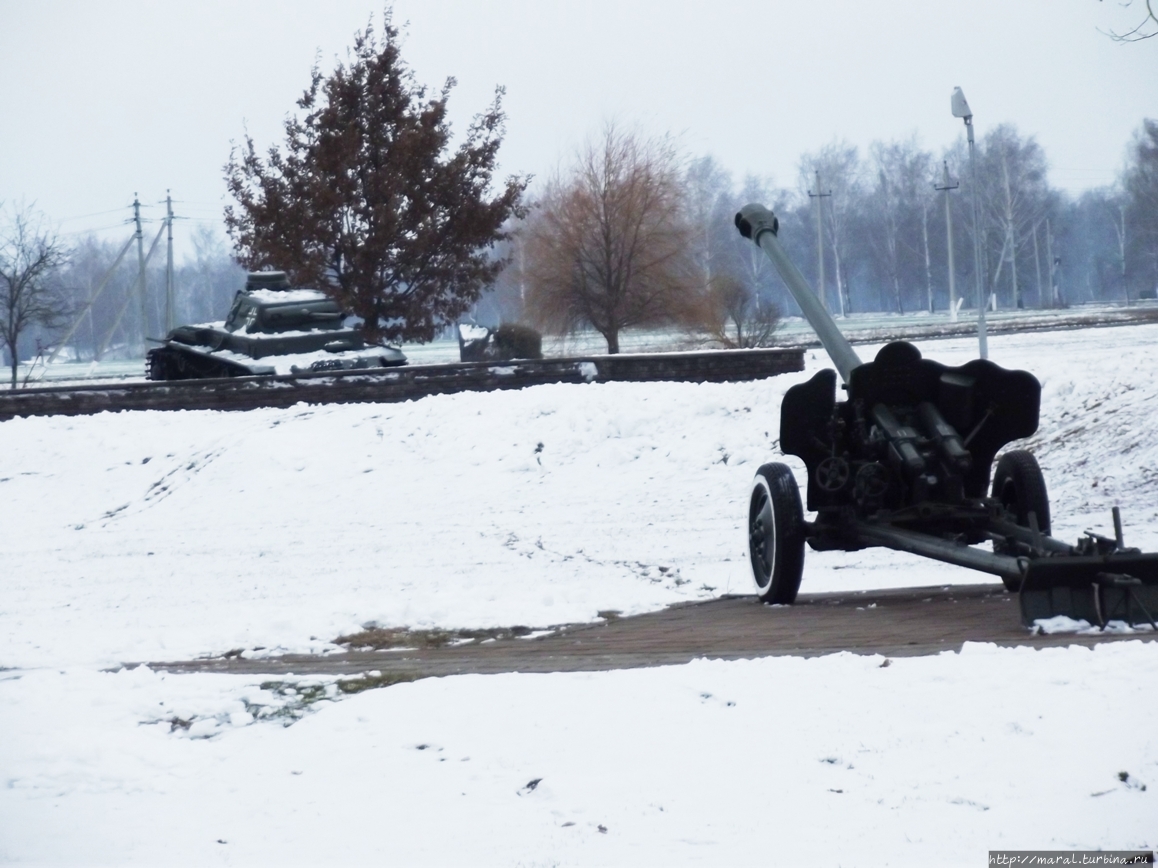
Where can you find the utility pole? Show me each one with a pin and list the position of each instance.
(818, 195)
(1122, 251)
(1037, 264)
(961, 110)
(522, 248)
(1053, 293)
(141, 274)
(946, 187)
(928, 259)
(169, 265)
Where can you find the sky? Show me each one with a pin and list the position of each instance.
(106, 100)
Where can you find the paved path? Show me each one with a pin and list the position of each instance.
(896, 623)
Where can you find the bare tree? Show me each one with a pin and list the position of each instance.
(208, 280)
(839, 165)
(903, 170)
(926, 205)
(1115, 205)
(608, 245)
(736, 316)
(733, 312)
(1140, 182)
(29, 257)
(708, 194)
(88, 262)
(1015, 196)
(1144, 29)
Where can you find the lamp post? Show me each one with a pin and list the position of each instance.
(961, 110)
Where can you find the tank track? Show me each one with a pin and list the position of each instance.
(169, 363)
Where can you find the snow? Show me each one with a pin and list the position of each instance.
(470, 332)
(293, 363)
(297, 363)
(285, 296)
(1063, 624)
(838, 760)
(162, 536)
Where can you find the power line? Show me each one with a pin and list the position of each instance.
(93, 230)
(94, 214)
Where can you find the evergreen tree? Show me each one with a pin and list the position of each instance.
(368, 202)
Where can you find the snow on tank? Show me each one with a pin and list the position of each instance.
(272, 328)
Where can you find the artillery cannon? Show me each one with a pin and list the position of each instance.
(904, 463)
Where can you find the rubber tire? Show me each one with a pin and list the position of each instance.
(776, 523)
(1018, 485)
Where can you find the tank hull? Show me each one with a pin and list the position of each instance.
(272, 328)
(180, 361)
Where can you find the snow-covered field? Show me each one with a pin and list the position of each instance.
(159, 536)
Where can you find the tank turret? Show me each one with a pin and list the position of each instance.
(271, 328)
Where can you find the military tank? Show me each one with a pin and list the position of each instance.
(272, 328)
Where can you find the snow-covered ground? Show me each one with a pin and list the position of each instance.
(159, 536)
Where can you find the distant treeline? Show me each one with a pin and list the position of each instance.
(884, 240)
(884, 228)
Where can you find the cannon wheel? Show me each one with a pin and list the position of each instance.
(776, 534)
(1019, 486)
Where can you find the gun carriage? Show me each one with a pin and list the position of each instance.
(905, 462)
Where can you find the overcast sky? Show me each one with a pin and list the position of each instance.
(104, 99)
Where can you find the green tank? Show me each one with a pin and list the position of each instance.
(272, 328)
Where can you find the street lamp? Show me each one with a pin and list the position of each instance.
(961, 110)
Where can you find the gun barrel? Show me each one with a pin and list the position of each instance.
(758, 223)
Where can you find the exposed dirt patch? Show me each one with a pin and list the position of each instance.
(893, 623)
(386, 638)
